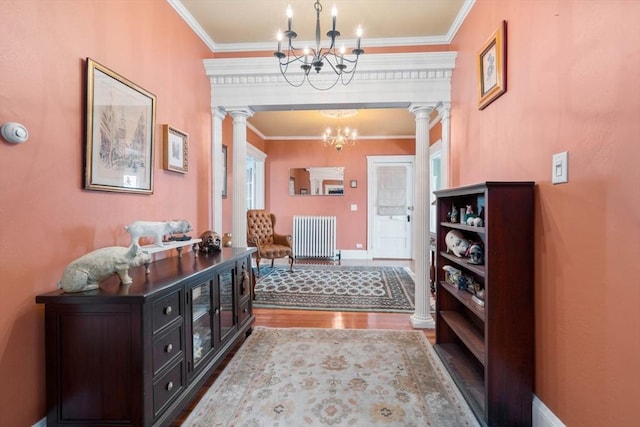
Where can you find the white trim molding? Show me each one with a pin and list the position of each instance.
(542, 416)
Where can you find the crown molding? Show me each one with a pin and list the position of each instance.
(268, 46)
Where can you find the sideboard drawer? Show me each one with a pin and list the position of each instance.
(165, 388)
(166, 310)
(166, 347)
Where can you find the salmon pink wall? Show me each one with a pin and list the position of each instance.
(351, 225)
(573, 85)
(46, 218)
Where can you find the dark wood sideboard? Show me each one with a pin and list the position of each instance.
(136, 355)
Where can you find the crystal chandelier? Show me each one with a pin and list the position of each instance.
(316, 57)
(340, 139)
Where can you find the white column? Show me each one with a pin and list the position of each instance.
(239, 174)
(216, 175)
(422, 316)
(444, 109)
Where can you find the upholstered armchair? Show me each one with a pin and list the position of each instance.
(261, 234)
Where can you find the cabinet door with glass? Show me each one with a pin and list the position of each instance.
(202, 324)
(225, 303)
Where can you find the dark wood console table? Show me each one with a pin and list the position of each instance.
(136, 355)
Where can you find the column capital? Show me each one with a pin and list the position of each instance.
(219, 113)
(420, 110)
(444, 109)
(240, 113)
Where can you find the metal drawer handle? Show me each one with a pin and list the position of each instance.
(170, 386)
(167, 310)
(169, 348)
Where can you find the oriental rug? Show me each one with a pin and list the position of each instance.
(333, 377)
(337, 288)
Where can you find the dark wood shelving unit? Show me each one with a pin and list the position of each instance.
(489, 350)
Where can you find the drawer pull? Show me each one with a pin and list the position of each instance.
(167, 310)
(244, 310)
(169, 348)
(170, 386)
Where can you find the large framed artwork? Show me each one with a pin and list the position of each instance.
(120, 123)
(175, 149)
(492, 67)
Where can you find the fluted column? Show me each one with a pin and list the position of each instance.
(239, 184)
(444, 109)
(217, 177)
(422, 316)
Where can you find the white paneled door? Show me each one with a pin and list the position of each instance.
(391, 206)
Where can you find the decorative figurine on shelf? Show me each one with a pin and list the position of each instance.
(86, 272)
(478, 294)
(475, 221)
(451, 275)
(226, 240)
(454, 214)
(210, 242)
(456, 243)
(156, 230)
(476, 254)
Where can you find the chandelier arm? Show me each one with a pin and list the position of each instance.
(323, 88)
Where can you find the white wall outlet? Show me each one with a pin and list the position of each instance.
(560, 168)
(358, 245)
(354, 207)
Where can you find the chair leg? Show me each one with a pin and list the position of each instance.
(290, 263)
(258, 266)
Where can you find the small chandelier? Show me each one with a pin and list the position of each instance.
(340, 139)
(317, 57)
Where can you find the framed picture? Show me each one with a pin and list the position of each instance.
(492, 67)
(224, 171)
(120, 122)
(176, 149)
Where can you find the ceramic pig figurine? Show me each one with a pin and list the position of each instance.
(86, 272)
(456, 243)
(156, 230)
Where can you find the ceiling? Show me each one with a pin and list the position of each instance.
(249, 25)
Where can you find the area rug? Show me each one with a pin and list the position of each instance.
(333, 377)
(337, 288)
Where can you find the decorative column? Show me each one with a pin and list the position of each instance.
(444, 109)
(239, 184)
(422, 316)
(217, 177)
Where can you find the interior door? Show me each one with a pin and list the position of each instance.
(391, 207)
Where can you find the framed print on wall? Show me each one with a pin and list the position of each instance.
(175, 150)
(492, 67)
(120, 122)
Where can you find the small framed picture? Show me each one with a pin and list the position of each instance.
(354, 183)
(492, 67)
(176, 149)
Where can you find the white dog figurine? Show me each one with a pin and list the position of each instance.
(156, 230)
(86, 272)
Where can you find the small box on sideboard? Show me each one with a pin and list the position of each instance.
(485, 306)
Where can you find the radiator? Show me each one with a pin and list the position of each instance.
(314, 237)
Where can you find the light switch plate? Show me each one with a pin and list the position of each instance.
(560, 168)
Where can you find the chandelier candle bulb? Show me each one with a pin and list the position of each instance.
(334, 14)
(289, 17)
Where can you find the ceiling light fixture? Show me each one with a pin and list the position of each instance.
(340, 139)
(317, 57)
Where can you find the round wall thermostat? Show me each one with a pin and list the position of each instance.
(14, 133)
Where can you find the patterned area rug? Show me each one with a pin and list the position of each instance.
(337, 287)
(333, 377)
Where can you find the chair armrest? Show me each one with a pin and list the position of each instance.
(253, 240)
(282, 239)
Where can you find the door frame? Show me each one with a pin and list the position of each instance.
(372, 161)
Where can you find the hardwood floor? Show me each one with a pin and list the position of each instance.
(280, 318)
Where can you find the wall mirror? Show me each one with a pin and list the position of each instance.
(316, 181)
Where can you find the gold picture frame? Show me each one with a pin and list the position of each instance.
(120, 124)
(175, 149)
(492, 67)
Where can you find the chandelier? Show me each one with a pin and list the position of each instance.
(339, 140)
(316, 57)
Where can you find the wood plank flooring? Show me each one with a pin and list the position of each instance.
(280, 318)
